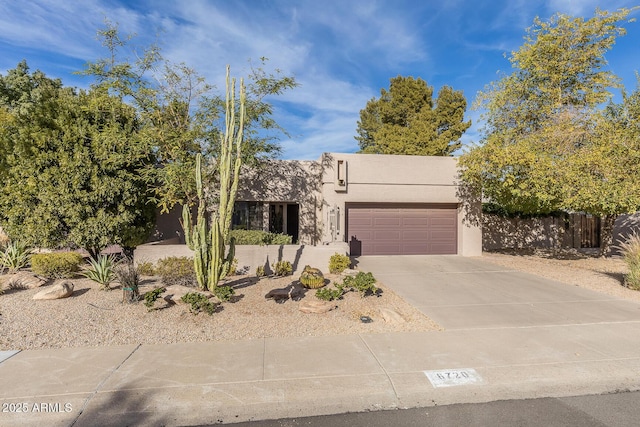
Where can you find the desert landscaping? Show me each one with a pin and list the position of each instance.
(95, 317)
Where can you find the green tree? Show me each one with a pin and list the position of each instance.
(404, 120)
(71, 164)
(547, 140)
(603, 171)
(182, 115)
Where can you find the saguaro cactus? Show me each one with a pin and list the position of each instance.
(207, 236)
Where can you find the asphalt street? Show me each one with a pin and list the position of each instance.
(607, 410)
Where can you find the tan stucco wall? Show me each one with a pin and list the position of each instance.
(368, 178)
(396, 179)
(292, 181)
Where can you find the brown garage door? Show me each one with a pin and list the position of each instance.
(386, 229)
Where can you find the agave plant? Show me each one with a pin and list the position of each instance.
(15, 256)
(102, 270)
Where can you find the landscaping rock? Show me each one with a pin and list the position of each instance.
(317, 307)
(174, 293)
(349, 272)
(283, 294)
(56, 291)
(391, 316)
(24, 280)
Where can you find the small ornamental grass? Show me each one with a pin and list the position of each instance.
(631, 255)
(146, 268)
(14, 257)
(102, 270)
(176, 271)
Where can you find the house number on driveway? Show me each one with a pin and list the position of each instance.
(453, 377)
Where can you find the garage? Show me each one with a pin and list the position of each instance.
(402, 229)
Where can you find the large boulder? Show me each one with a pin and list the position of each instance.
(349, 272)
(392, 317)
(24, 280)
(317, 307)
(56, 291)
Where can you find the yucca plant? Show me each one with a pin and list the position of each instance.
(631, 255)
(102, 270)
(15, 256)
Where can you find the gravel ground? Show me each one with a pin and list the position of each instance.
(605, 275)
(93, 317)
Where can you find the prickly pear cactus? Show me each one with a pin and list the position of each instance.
(312, 278)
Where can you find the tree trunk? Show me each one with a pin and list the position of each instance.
(93, 252)
(606, 233)
(127, 252)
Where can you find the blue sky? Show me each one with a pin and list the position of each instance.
(342, 52)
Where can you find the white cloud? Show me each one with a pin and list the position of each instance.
(64, 27)
(583, 7)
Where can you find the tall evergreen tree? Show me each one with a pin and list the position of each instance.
(404, 120)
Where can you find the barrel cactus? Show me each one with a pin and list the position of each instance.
(312, 278)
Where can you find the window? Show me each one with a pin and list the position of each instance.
(247, 216)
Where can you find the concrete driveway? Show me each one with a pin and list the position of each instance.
(468, 293)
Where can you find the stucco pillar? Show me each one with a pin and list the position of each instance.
(265, 217)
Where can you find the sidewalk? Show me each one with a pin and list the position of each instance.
(205, 383)
(508, 335)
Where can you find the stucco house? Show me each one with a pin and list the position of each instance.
(369, 204)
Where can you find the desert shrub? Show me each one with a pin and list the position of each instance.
(101, 270)
(176, 271)
(631, 255)
(223, 293)
(260, 271)
(328, 294)
(152, 296)
(282, 268)
(56, 265)
(199, 302)
(129, 277)
(259, 237)
(278, 239)
(14, 257)
(339, 263)
(233, 268)
(146, 268)
(362, 282)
